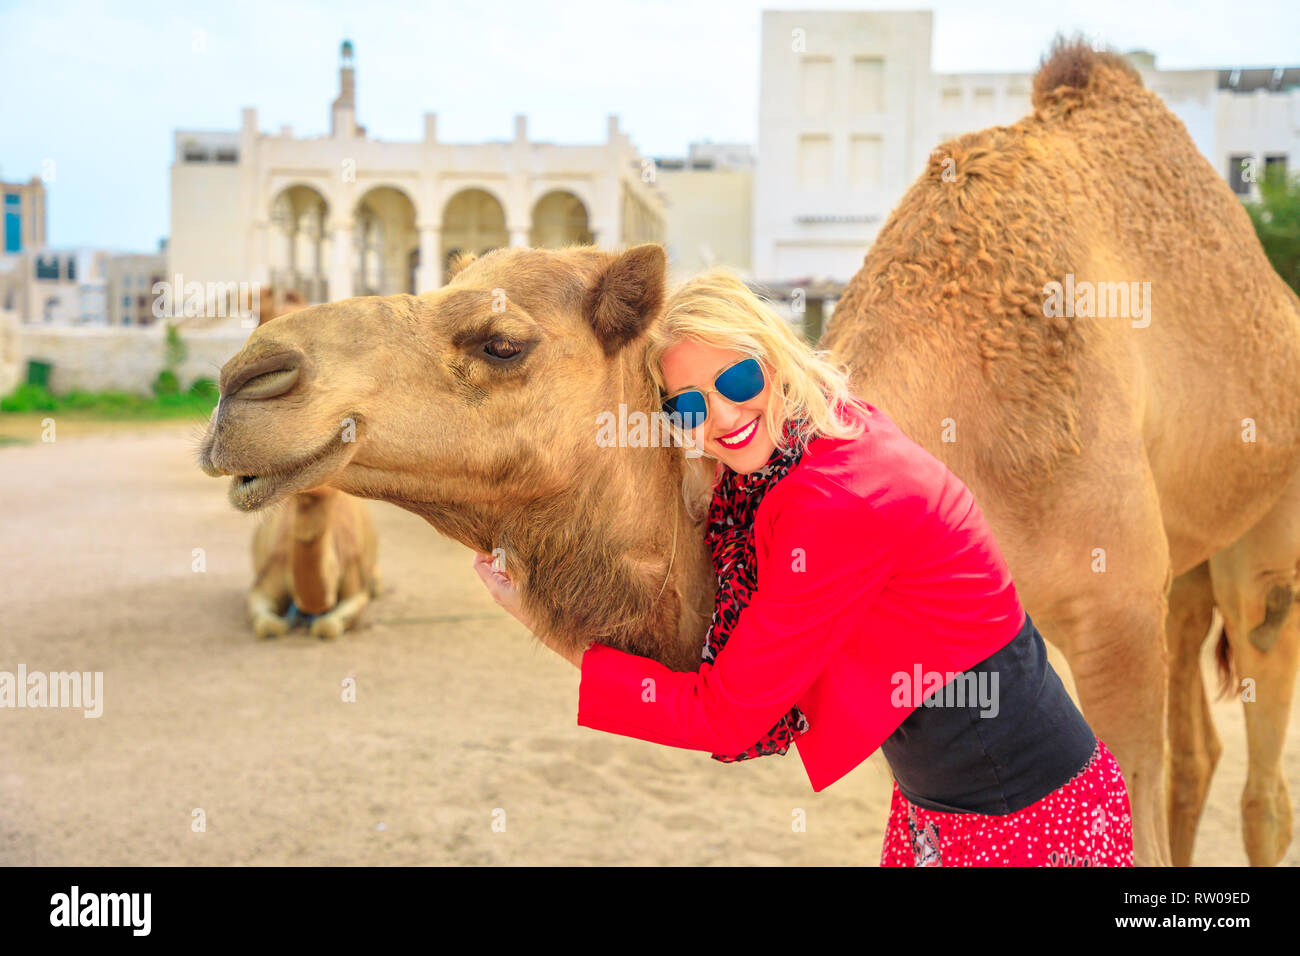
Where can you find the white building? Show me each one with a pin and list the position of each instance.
(340, 215)
(849, 110)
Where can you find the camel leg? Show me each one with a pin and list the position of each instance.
(1193, 745)
(332, 624)
(1104, 606)
(1116, 653)
(1256, 580)
(264, 611)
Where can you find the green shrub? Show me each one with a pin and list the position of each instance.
(29, 398)
(166, 402)
(78, 400)
(176, 349)
(204, 388)
(166, 383)
(1276, 218)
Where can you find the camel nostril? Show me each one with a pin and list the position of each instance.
(265, 377)
(268, 384)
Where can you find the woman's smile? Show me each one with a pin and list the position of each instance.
(741, 436)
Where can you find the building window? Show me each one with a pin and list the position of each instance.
(227, 156)
(868, 85)
(815, 84)
(1275, 165)
(195, 154)
(47, 268)
(1237, 166)
(984, 97)
(72, 269)
(866, 162)
(13, 222)
(815, 161)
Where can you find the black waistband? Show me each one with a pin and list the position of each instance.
(996, 738)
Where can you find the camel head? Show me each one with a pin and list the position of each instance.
(476, 406)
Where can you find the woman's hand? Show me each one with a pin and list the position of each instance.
(505, 593)
(501, 588)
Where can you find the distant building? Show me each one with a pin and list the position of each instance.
(24, 216)
(849, 111)
(55, 286)
(710, 201)
(709, 154)
(130, 280)
(341, 215)
(44, 286)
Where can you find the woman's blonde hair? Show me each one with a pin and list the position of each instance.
(718, 309)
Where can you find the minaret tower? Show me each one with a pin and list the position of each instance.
(343, 115)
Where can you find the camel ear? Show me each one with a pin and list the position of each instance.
(459, 262)
(292, 303)
(627, 296)
(266, 306)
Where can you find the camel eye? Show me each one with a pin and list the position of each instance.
(502, 349)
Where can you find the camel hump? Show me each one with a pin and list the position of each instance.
(1072, 68)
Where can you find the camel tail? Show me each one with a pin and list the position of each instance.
(1072, 68)
(1223, 660)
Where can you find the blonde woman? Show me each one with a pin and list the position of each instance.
(862, 603)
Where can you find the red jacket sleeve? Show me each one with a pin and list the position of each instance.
(828, 559)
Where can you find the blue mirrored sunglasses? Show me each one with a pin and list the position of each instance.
(736, 383)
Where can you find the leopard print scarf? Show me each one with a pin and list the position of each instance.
(730, 536)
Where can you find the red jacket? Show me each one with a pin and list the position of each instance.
(875, 567)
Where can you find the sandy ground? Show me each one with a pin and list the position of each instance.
(461, 721)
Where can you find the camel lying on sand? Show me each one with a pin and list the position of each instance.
(1107, 458)
(315, 557)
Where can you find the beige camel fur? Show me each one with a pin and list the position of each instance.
(1109, 462)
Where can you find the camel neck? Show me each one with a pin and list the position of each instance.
(311, 519)
(619, 561)
(615, 557)
(308, 559)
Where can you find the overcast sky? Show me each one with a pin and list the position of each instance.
(99, 88)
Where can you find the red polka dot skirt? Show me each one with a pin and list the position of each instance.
(1084, 822)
